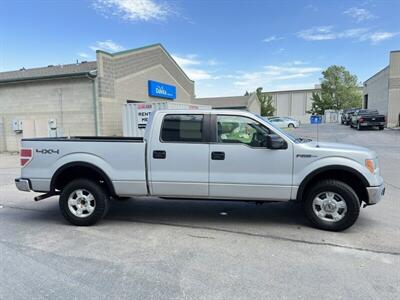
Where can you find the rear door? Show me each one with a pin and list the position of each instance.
(242, 167)
(178, 155)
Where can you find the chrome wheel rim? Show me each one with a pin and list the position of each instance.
(81, 203)
(329, 206)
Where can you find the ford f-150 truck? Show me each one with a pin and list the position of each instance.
(208, 154)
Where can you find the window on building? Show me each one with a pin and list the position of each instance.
(182, 128)
(236, 129)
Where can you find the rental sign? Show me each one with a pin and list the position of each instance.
(161, 90)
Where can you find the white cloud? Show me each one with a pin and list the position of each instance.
(312, 7)
(83, 55)
(134, 10)
(212, 62)
(324, 33)
(279, 51)
(320, 33)
(189, 62)
(377, 37)
(272, 38)
(107, 45)
(359, 14)
(295, 63)
(271, 74)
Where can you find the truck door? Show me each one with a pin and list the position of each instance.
(241, 167)
(178, 155)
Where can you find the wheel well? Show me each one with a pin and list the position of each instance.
(67, 173)
(354, 180)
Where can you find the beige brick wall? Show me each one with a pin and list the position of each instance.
(377, 90)
(2, 136)
(394, 89)
(42, 100)
(125, 76)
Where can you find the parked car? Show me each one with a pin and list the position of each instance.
(366, 118)
(347, 114)
(203, 154)
(284, 122)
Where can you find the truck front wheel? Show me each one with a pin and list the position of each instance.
(332, 205)
(83, 202)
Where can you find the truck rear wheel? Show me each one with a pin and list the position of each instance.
(83, 202)
(332, 205)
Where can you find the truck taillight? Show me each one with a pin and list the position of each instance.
(25, 156)
(360, 120)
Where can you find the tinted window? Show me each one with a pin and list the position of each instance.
(242, 130)
(182, 128)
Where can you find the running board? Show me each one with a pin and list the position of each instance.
(44, 196)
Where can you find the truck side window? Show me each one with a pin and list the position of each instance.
(236, 129)
(182, 128)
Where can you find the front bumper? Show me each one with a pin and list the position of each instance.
(375, 194)
(23, 184)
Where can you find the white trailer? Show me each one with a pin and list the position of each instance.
(136, 115)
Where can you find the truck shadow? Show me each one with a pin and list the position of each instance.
(200, 212)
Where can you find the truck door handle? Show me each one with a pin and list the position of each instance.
(216, 155)
(159, 154)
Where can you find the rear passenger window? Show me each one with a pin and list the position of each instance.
(182, 128)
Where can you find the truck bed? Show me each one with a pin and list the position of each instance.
(121, 158)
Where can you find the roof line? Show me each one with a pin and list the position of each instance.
(365, 81)
(128, 50)
(67, 75)
(144, 48)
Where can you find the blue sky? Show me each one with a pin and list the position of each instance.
(227, 47)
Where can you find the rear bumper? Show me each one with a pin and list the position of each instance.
(372, 124)
(375, 194)
(23, 184)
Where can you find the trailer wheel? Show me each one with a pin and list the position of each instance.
(83, 202)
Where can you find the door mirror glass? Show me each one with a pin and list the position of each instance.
(275, 142)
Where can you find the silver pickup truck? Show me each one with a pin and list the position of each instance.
(213, 154)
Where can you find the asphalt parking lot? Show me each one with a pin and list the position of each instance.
(170, 249)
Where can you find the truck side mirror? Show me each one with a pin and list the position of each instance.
(275, 142)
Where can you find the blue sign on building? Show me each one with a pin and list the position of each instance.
(161, 90)
(315, 119)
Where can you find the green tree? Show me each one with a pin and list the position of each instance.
(319, 105)
(267, 107)
(339, 89)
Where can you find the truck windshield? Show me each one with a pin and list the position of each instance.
(292, 137)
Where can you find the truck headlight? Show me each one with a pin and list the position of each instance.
(371, 164)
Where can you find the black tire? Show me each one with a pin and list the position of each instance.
(290, 125)
(351, 125)
(101, 202)
(345, 192)
(381, 127)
